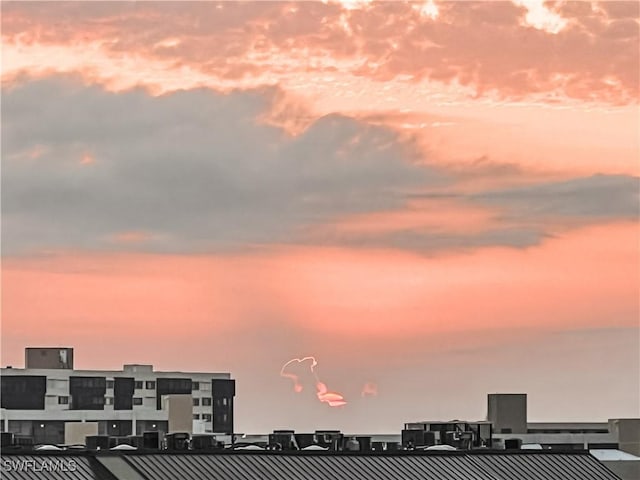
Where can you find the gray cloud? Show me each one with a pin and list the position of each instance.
(598, 197)
(523, 216)
(198, 172)
(195, 170)
(428, 240)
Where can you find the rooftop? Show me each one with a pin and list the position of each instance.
(224, 465)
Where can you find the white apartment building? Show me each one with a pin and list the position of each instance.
(40, 400)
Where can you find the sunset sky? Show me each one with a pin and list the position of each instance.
(436, 200)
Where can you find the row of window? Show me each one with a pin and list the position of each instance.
(138, 384)
(206, 402)
(136, 400)
(151, 385)
(205, 416)
(568, 430)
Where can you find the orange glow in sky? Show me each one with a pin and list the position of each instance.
(413, 191)
(333, 399)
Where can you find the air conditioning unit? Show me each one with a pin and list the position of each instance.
(151, 440)
(97, 442)
(177, 441)
(203, 442)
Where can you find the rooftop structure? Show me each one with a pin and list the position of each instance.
(48, 357)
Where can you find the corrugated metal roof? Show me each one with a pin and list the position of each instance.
(543, 467)
(261, 466)
(306, 467)
(54, 467)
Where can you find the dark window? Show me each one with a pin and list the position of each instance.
(109, 383)
(23, 392)
(206, 402)
(150, 385)
(123, 393)
(196, 416)
(87, 402)
(48, 432)
(206, 417)
(223, 391)
(87, 393)
(563, 446)
(223, 388)
(607, 446)
(137, 400)
(87, 383)
(195, 385)
(196, 402)
(63, 400)
(21, 427)
(117, 428)
(169, 386)
(138, 384)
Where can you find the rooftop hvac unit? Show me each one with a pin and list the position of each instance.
(513, 443)
(177, 441)
(151, 440)
(377, 446)
(23, 440)
(135, 441)
(365, 443)
(97, 442)
(459, 440)
(203, 442)
(416, 426)
(7, 439)
(429, 439)
(393, 446)
(413, 438)
(305, 439)
(497, 444)
(351, 444)
(282, 440)
(331, 439)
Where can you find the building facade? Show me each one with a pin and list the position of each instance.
(41, 402)
(508, 414)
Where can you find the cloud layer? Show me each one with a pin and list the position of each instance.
(188, 171)
(198, 171)
(506, 49)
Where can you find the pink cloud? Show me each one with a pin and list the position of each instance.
(87, 159)
(333, 399)
(279, 42)
(369, 389)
